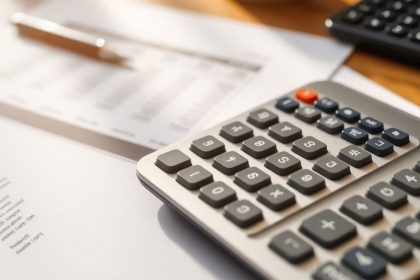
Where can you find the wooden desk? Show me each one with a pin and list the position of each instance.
(309, 16)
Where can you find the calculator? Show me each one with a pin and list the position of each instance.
(390, 27)
(323, 182)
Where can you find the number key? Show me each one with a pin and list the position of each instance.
(236, 132)
(207, 147)
(306, 181)
(282, 163)
(194, 177)
(252, 179)
(217, 194)
(258, 147)
(309, 147)
(230, 162)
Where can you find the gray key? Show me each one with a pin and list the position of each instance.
(252, 179)
(236, 132)
(258, 147)
(309, 147)
(409, 229)
(217, 194)
(230, 162)
(417, 167)
(282, 163)
(363, 210)
(308, 114)
(332, 271)
(262, 118)
(387, 195)
(276, 197)
(291, 247)
(285, 132)
(408, 180)
(173, 161)
(393, 248)
(207, 147)
(194, 177)
(330, 124)
(355, 156)
(306, 181)
(331, 167)
(366, 263)
(243, 213)
(328, 229)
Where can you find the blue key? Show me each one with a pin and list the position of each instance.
(355, 135)
(364, 262)
(348, 115)
(287, 104)
(379, 147)
(371, 125)
(396, 136)
(326, 105)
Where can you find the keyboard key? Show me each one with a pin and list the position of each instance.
(276, 197)
(217, 194)
(173, 161)
(387, 195)
(308, 114)
(309, 147)
(282, 163)
(408, 21)
(371, 125)
(243, 213)
(306, 95)
(375, 24)
(328, 229)
(236, 132)
(388, 15)
(285, 132)
(252, 179)
(207, 147)
(330, 125)
(306, 181)
(332, 271)
(326, 105)
(417, 167)
(396, 136)
(398, 6)
(258, 147)
(353, 16)
(366, 8)
(355, 156)
(363, 210)
(393, 248)
(287, 104)
(331, 167)
(379, 147)
(398, 30)
(366, 263)
(408, 180)
(355, 135)
(348, 115)
(291, 247)
(409, 229)
(194, 177)
(262, 118)
(415, 36)
(230, 162)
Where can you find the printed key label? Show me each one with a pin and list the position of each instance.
(413, 228)
(243, 209)
(387, 192)
(306, 178)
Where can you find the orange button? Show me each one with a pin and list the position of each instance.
(306, 95)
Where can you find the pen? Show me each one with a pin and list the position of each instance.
(66, 38)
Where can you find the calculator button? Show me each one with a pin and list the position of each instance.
(259, 147)
(328, 229)
(330, 125)
(355, 156)
(282, 163)
(375, 24)
(363, 210)
(236, 132)
(415, 11)
(291, 247)
(230, 162)
(285, 132)
(393, 248)
(387, 195)
(348, 115)
(355, 135)
(287, 104)
(398, 30)
(194, 177)
(243, 213)
(332, 271)
(217, 194)
(408, 180)
(353, 16)
(409, 229)
(173, 161)
(396, 136)
(207, 147)
(415, 36)
(262, 118)
(326, 105)
(309, 147)
(365, 8)
(276, 197)
(308, 114)
(398, 6)
(252, 179)
(417, 166)
(364, 262)
(371, 125)
(306, 95)
(408, 21)
(379, 147)
(331, 167)
(388, 15)
(306, 181)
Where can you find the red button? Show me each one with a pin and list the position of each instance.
(306, 95)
